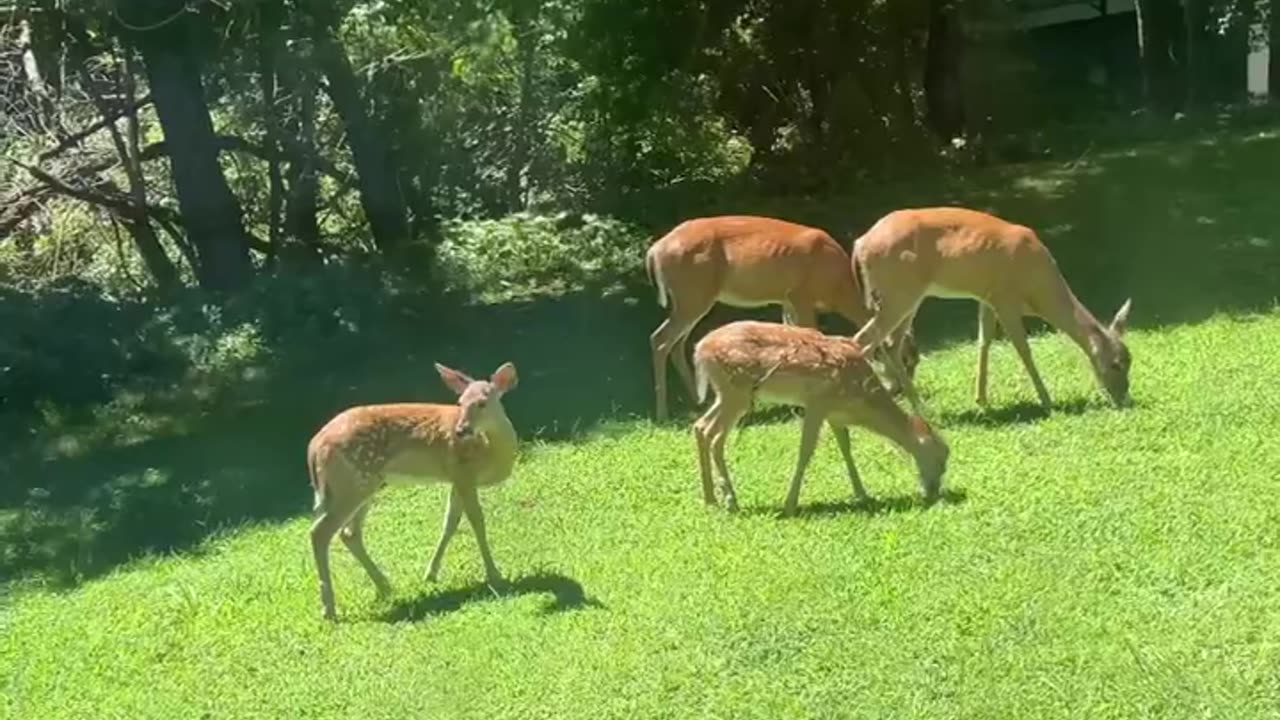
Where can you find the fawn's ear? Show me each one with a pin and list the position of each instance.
(1120, 323)
(504, 378)
(456, 381)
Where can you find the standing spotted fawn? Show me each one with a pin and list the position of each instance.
(468, 446)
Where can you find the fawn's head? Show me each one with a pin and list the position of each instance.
(931, 455)
(480, 400)
(1111, 358)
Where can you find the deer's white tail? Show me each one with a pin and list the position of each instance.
(701, 380)
(315, 483)
(860, 279)
(652, 267)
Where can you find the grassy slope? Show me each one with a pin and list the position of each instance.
(1093, 564)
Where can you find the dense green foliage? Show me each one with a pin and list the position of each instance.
(276, 133)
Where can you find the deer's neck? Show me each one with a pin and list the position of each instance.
(502, 443)
(1080, 325)
(895, 426)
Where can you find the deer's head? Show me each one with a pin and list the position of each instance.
(479, 400)
(1110, 356)
(931, 453)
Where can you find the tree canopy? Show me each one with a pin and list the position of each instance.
(223, 138)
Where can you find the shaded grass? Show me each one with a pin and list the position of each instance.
(1096, 563)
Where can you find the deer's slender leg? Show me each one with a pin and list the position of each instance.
(804, 314)
(1011, 321)
(891, 313)
(788, 313)
(842, 440)
(810, 429)
(732, 407)
(680, 358)
(702, 435)
(336, 510)
(986, 334)
(452, 515)
(353, 537)
(475, 516)
(897, 346)
(668, 337)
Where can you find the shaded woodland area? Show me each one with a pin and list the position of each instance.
(222, 139)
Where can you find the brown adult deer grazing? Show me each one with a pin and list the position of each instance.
(827, 376)
(952, 252)
(746, 261)
(468, 446)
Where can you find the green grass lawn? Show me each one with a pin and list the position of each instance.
(1093, 563)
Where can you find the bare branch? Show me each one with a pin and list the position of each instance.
(293, 153)
(119, 204)
(23, 204)
(20, 207)
(76, 138)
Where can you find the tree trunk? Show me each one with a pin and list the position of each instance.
(135, 218)
(524, 19)
(269, 51)
(902, 80)
(944, 53)
(210, 212)
(380, 195)
(1157, 26)
(302, 198)
(1197, 52)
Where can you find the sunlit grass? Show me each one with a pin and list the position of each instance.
(1093, 563)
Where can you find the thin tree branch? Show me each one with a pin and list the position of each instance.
(116, 203)
(292, 152)
(124, 262)
(76, 138)
(23, 204)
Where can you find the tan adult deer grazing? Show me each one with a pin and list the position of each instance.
(952, 252)
(468, 446)
(746, 261)
(827, 376)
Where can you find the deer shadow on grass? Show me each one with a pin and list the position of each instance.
(566, 594)
(885, 505)
(1019, 413)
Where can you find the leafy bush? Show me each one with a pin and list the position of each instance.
(524, 254)
(68, 343)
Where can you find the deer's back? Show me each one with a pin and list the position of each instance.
(409, 442)
(783, 363)
(954, 252)
(755, 260)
